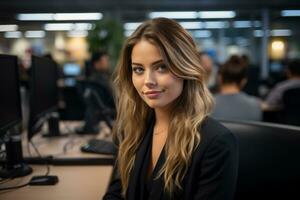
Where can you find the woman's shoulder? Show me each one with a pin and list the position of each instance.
(212, 129)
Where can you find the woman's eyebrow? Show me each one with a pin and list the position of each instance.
(154, 63)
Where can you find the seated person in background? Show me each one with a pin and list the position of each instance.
(274, 99)
(100, 76)
(231, 102)
(208, 64)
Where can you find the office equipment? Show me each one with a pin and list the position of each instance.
(43, 180)
(43, 96)
(100, 147)
(10, 117)
(71, 69)
(268, 160)
(99, 105)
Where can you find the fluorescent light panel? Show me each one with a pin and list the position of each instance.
(201, 34)
(8, 27)
(132, 25)
(77, 33)
(67, 26)
(274, 32)
(128, 33)
(242, 24)
(191, 25)
(290, 13)
(216, 25)
(35, 34)
(13, 34)
(281, 32)
(58, 16)
(77, 16)
(216, 14)
(174, 15)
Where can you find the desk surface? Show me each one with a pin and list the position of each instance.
(75, 183)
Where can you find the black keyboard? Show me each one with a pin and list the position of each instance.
(100, 147)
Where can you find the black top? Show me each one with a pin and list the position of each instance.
(145, 181)
(212, 173)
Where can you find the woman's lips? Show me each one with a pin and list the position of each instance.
(153, 94)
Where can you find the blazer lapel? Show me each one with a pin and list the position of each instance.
(158, 183)
(133, 192)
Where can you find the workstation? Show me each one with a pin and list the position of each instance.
(55, 159)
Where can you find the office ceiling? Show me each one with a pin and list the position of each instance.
(135, 10)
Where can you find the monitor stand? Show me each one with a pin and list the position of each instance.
(53, 126)
(14, 165)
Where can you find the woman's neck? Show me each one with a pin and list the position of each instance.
(162, 117)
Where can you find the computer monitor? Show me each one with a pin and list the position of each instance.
(43, 92)
(10, 97)
(71, 69)
(10, 117)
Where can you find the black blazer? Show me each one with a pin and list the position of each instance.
(212, 173)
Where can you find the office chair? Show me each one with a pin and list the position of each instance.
(291, 110)
(269, 163)
(100, 101)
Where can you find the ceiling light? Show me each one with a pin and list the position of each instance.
(201, 34)
(174, 15)
(77, 33)
(281, 32)
(35, 17)
(290, 13)
(35, 34)
(68, 26)
(242, 24)
(58, 16)
(13, 34)
(216, 25)
(132, 25)
(216, 14)
(128, 33)
(77, 16)
(9, 27)
(191, 25)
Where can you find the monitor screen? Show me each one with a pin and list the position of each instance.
(43, 89)
(71, 69)
(276, 66)
(10, 108)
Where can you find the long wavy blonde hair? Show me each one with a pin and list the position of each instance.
(179, 53)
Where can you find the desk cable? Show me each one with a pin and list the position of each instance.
(23, 185)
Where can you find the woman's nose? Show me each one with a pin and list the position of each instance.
(150, 79)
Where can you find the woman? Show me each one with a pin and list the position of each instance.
(168, 146)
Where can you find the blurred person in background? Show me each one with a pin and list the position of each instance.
(274, 99)
(231, 102)
(208, 64)
(99, 83)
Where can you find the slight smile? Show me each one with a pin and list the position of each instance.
(153, 94)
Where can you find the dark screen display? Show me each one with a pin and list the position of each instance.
(10, 109)
(43, 87)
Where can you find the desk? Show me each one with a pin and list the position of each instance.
(75, 183)
(88, 182)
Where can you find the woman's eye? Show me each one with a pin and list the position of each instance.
(138, 70)
(162, 68)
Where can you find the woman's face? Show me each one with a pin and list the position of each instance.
(152, 79)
